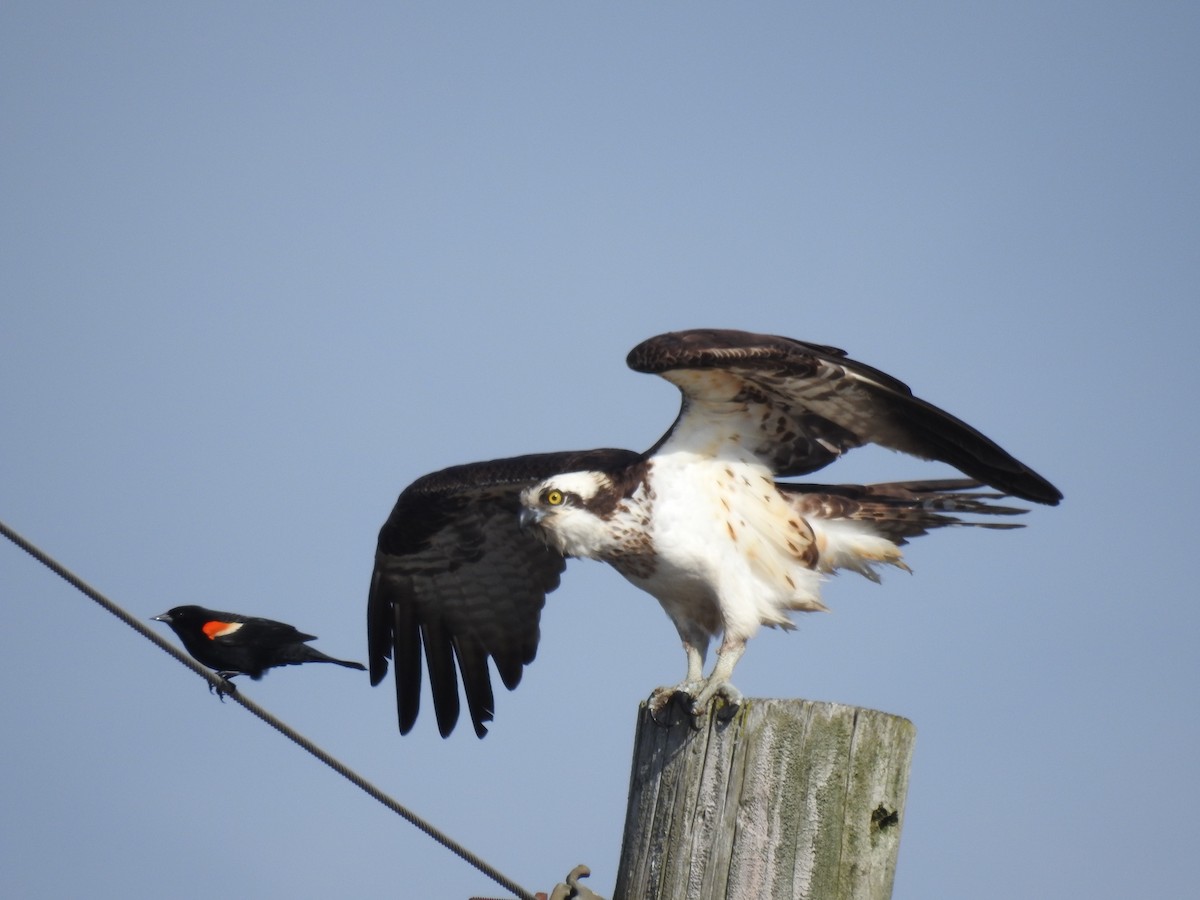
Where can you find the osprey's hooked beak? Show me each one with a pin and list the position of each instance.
(530, 518)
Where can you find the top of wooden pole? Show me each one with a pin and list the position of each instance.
(788, 799)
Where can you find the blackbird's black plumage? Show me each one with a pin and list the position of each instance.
(242, 645)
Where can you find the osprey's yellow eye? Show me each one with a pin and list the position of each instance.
(554, 497)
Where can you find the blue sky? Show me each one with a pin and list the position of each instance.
(263, 266)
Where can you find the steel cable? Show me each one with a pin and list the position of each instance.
(279, 725)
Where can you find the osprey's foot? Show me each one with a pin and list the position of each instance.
(667, 701)
(731, 697)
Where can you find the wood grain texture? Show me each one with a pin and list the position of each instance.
(789, 799)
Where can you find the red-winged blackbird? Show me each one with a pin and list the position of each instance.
(242, 645)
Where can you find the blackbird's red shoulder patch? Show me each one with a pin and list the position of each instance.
(216, 629)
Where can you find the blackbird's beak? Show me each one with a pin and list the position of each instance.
(165, 617)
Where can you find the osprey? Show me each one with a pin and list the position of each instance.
(699, 521)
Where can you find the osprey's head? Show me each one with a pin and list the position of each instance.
(562, 510)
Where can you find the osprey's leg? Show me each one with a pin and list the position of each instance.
(718, 683)
(693, 682)
(695, 663)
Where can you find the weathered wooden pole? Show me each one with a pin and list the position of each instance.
(788, 799)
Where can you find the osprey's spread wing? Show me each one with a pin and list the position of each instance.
(803, 405)
(457, 577)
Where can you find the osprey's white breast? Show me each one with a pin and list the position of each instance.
(729, 552)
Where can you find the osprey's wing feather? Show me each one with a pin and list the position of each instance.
(802, 405)
(901, 510)
(458, 580)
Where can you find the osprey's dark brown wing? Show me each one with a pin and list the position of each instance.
(457, 580)
(798, 406)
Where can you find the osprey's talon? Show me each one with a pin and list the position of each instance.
(730, 696)
(728, 709)
(665, 702)
(663, 716)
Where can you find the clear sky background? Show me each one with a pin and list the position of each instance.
(264, 264)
